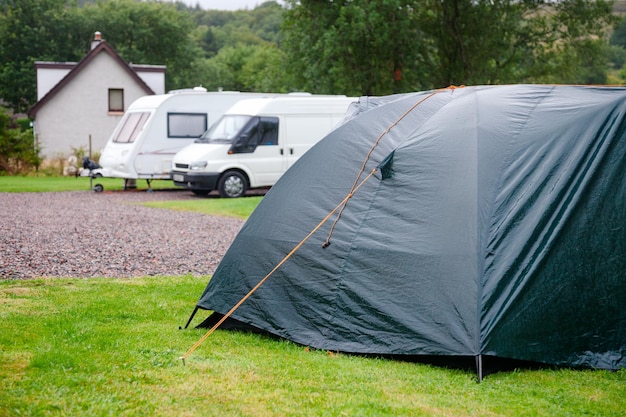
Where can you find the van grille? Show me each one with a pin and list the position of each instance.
(183, 166)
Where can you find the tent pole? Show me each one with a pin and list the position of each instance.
(479, 367)
(195, 310)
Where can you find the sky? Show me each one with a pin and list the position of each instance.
(225, 4)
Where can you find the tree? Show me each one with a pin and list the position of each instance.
(230, 67)
(264, 71)
(575, 48)
(473, 41)
(17, 152)
(245, 68)
(147, 33)
(352, 46)
(54, 30)
(618, 37)
(217, 29)
(32, 30)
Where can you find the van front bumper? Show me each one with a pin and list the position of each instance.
(196, 180)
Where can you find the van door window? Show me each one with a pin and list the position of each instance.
(261, 131)
(269, 131)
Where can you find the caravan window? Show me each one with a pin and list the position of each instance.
(186, 125)
(131, 127)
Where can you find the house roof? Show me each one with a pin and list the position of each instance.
(102, 46)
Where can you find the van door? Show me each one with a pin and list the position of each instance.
(302, 132)
(258, 149)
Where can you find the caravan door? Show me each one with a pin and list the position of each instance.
(117, 157)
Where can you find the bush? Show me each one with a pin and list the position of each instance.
(18, 153)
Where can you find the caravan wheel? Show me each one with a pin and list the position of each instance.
(232, 184)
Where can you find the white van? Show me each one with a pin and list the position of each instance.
(255, 142)
(155, 127)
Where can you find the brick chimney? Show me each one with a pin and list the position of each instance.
(97, 38)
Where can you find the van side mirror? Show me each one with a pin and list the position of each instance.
(241, 145)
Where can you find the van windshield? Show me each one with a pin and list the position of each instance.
(225, 129)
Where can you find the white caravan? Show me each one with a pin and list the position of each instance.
(155, 127)
(255, 142)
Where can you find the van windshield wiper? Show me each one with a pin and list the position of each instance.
(219, 140)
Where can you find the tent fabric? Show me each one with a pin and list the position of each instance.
(497, 228)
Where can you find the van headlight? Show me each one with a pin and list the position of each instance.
(194, 166)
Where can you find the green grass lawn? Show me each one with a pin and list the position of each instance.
(111, 347)
(240, 208)
(231, 207)
(95, 347)
(31, 183)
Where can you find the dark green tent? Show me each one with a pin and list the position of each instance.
(494, 227)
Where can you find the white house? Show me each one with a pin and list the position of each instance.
(80, 103)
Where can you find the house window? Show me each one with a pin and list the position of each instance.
(116, 99)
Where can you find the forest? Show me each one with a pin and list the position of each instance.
(352, 47)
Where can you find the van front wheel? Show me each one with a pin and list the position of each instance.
(232, 184)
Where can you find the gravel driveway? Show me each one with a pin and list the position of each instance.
(87, 234)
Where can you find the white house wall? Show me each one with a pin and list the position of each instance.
(154, 79)
(80, 110)
(47, 78)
